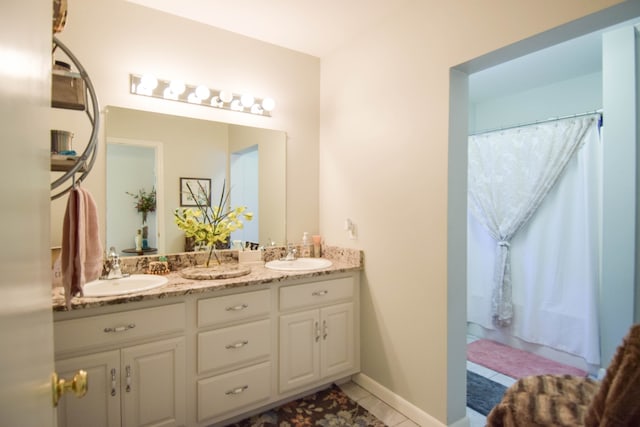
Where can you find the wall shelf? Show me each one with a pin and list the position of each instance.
(65, 163)
(75, 168)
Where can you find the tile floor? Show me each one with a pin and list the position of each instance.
(377, 407)
(393, 418)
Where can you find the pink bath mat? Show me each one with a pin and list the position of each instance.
(514, 362)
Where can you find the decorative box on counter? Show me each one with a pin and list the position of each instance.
(250, 257)
(158, 267)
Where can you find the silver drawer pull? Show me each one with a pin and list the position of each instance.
(120, 328)
(320, 293)
(237, 390)
(236, 345)
(237, 307)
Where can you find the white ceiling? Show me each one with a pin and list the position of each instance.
(312, 27)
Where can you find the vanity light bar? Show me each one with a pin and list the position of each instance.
(176, 90)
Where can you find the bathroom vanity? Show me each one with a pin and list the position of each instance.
(200, 353)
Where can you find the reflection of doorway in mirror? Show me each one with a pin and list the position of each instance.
(244, 190)
(131, 166)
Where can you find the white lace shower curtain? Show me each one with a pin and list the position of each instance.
(539, 237)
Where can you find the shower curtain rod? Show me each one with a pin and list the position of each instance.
(552, 119)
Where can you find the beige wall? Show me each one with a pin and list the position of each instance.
(113, 38)
(383, 163)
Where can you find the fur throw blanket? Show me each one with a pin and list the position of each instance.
(565, 400)
(618, 401)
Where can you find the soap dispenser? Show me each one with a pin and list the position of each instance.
(305, 250)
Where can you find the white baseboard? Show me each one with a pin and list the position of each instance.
(401, 405)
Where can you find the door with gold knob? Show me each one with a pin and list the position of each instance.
(100, 406)
(26, 334)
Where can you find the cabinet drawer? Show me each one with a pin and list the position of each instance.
(233, 345)
(316, 293)
(228, 392)
(230, 308)
(114, 328)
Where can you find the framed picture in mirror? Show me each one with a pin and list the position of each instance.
(194, 190)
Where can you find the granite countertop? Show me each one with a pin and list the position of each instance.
(344, 260)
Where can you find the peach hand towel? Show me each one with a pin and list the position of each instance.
(81, 247)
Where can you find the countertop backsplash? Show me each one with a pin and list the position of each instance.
(344, 260)
(140, 264)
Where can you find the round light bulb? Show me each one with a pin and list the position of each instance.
(236, 106)
(203, 92)
(268, 104)
(216, 101)
(226, 96)
(247, 100)
(168, 94)
(149, 81)
(256, 109)
(177, 86)
(193, 98)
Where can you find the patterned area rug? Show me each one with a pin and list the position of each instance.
(514, 362)
(482, 393)
(330, 407)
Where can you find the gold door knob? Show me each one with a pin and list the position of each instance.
(78, 385)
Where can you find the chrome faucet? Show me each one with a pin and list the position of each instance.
(291, 252)
(111, 268)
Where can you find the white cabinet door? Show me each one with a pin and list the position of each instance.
(153, 385)
(299, 349)
(315, 344)
(100, 407)
(338, 341)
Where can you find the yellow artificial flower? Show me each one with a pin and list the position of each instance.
(208, 224)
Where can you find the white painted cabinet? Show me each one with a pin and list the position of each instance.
(100, 407)
(234, 351)
(141, 385)
(337, 350)
(205, 359)
(299, 349)
(129, 384)
(316, 343)
(153, 384)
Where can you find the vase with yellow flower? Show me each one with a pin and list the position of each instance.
(210, 226)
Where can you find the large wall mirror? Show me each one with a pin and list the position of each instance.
(147, 151)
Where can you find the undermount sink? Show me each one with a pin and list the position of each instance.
(125, 285)
(299, 264)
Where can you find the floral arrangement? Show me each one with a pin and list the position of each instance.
(207, 224)
(145, 203)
